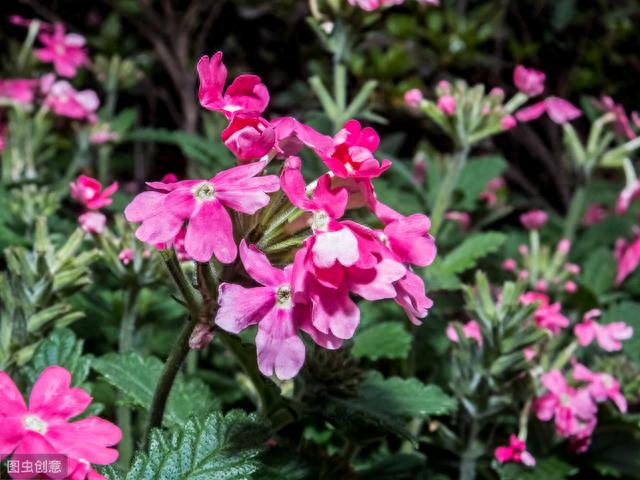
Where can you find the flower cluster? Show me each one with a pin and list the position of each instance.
(329, 257)
(371, 5)
(88, 192)
(44, 427)
(516, 451)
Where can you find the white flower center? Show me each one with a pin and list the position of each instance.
(383, 239)
(34, 423)
(204, 192)
(320, 221)
(283, 296)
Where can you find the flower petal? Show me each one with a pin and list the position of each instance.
(52, 397)
(241, 307)
(210, 232)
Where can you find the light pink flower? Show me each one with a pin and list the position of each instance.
(564, 246)
(570, 286)
(88, 191)
(608, 336)
(126, 256)
(470, 330)
(572, 268)
(245, 94)
(627, 196)
(509, 264)
(514, 452)
(602, 386)
(44, 427)
(529, 80)
(547, 316)
(249, 136)
(413, 98)
(627, 255)
(559, 110)
(92, 222)
(103, 134)
(447, 104)
(462, 218)
(202, 204)
(533, 219)
(19, 90)
(352, 153)
(277, 310)
(65, 51)
(594, 214)
(573, 409)
(66, 101)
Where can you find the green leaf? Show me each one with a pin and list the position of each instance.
(546, 469)
(216, 447)
(401, 466)
(136, 377)
(61, 348)
(599, 271)
(474, 177)
(442, 274)
(384, 340)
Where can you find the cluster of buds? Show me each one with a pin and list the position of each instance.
(301, 260)
(540, 268)
(89, 193)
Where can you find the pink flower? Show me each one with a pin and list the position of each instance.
(352, 153)
(608, 336)
(627, 196)
(570, 287)
(292, 135)
(66, 52)
(515, 452)
(103, 135)
(413, 98)
(18, 90)
(564, 246)
(572, 268)
(249, 136)
(621, 126)
(559, 110)
(277, 310)
(529, 80)
(245, 94)
(88, 191)
(627, 255)
(462, 218)
(602, 386)
(201, 203)
(547, 316)
(44, 427)
(533, 219)
(92, 222)
(508, 122)
(595, 214)
(126, 256)
(447, 104)
(573, 409)
(66, 101)
(470, 330)
(509, 264)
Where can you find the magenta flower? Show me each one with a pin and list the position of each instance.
(249, 136)
(126, 256)
(621, 126)
(515, 452)
(627, 255)
(559, 110)
(547, 316)
(292, 135)
(201, 203)
(65, 51)
(602, 386)
(277, 310)
(608, 336)
(92, 222)
(470, 330)
(627, 196)
(529, 80)
(66, 101)
(573, 409)
(447, 104)
(508, 122)
(595, 214)
(352, 153)
(88, 191)
(245, 94)
(44, 427)
(19, 90)
(533, 219)
(413, 98)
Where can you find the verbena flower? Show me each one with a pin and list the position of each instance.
(65, 50)
(608, 336)
(88, 192)
(529, 80)
(514, 452)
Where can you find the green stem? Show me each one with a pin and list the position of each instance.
(469, 455)
(125, 344)
(564, 357)
(576, 212)
(168, 376)
(534, 238)
(189, 295)
(443, 199)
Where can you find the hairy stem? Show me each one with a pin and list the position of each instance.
(443, 199)
(576, 212)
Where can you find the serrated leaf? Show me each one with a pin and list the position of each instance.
(221, 447)
(136, 377)
(545, 469)
(61, 348)
(599, 271)
(466, 255)
(384, 340)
